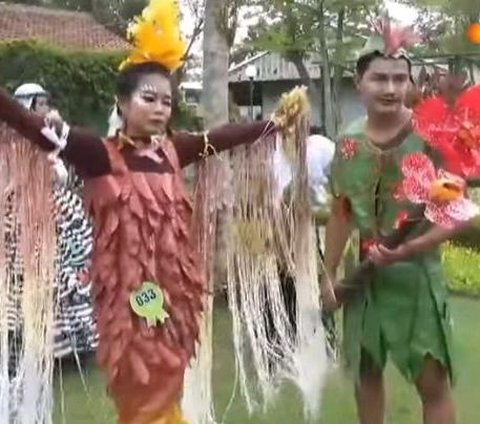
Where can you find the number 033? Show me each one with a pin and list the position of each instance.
(145, 297)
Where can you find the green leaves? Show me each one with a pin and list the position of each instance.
(295, 27)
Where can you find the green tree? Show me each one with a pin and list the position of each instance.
(329, 29)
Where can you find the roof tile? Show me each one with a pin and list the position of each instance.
(67, 29)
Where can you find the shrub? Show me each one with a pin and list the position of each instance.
(471, 236)
(462, 268)
(81, 83)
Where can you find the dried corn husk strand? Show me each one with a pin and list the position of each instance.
(197, 402)
(268, 231)
(26, 393)
(253, 279)
(310, 358)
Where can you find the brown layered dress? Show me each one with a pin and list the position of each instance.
(142, 215)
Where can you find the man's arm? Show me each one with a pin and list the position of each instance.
(434, 237)
(337, 233)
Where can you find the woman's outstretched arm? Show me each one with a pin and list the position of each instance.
(191, 147)
(83, 149)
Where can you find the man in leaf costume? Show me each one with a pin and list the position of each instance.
(403, 312)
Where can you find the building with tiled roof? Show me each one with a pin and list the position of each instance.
(62, 28)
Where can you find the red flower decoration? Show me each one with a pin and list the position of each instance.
(395, 37)
(348, 148)
(366, 245)
(401, 219)
(398, 193)
(441, 192)
(453, 129)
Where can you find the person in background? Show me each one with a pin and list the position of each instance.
(74, 329)
(320, 153)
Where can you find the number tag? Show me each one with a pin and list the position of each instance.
(147, 302)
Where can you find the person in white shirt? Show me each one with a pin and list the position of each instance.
(320, 153)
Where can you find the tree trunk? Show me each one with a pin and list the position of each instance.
(338, 75)
(329, 123)
(314, 91)
(215, 111)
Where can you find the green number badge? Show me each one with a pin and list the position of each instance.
(147, 302)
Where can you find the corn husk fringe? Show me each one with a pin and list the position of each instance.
(270, 232)
(26, 351)
(266, 232)
(197, 401)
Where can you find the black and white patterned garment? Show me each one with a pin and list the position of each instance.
(74, 323)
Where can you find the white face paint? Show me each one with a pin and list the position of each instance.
(146, 93)
(148, 110)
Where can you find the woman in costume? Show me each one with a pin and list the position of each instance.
(148, 286)
(74, 324)
(403, 312)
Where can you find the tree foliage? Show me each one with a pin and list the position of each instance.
(330, 30)
(82, 84)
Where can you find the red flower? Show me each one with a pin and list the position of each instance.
(398, 193)
(348, 148)
(401, 219)
(395, 37)
(453, 130)
(366, 245)
(441, 192)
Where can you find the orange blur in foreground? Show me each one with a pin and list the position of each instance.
(473, 33)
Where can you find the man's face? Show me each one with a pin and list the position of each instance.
(384, 85)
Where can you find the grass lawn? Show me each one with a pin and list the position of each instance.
(91, 405)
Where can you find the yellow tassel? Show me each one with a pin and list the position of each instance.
(156, 36)
(292, 107)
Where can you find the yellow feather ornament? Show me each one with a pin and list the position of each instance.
(156, 37)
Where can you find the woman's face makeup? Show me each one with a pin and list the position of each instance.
(149, 109)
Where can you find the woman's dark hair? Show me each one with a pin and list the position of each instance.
(364, 63)
(129, 77)
(33, 106)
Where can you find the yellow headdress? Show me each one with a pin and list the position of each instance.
(155, 35)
